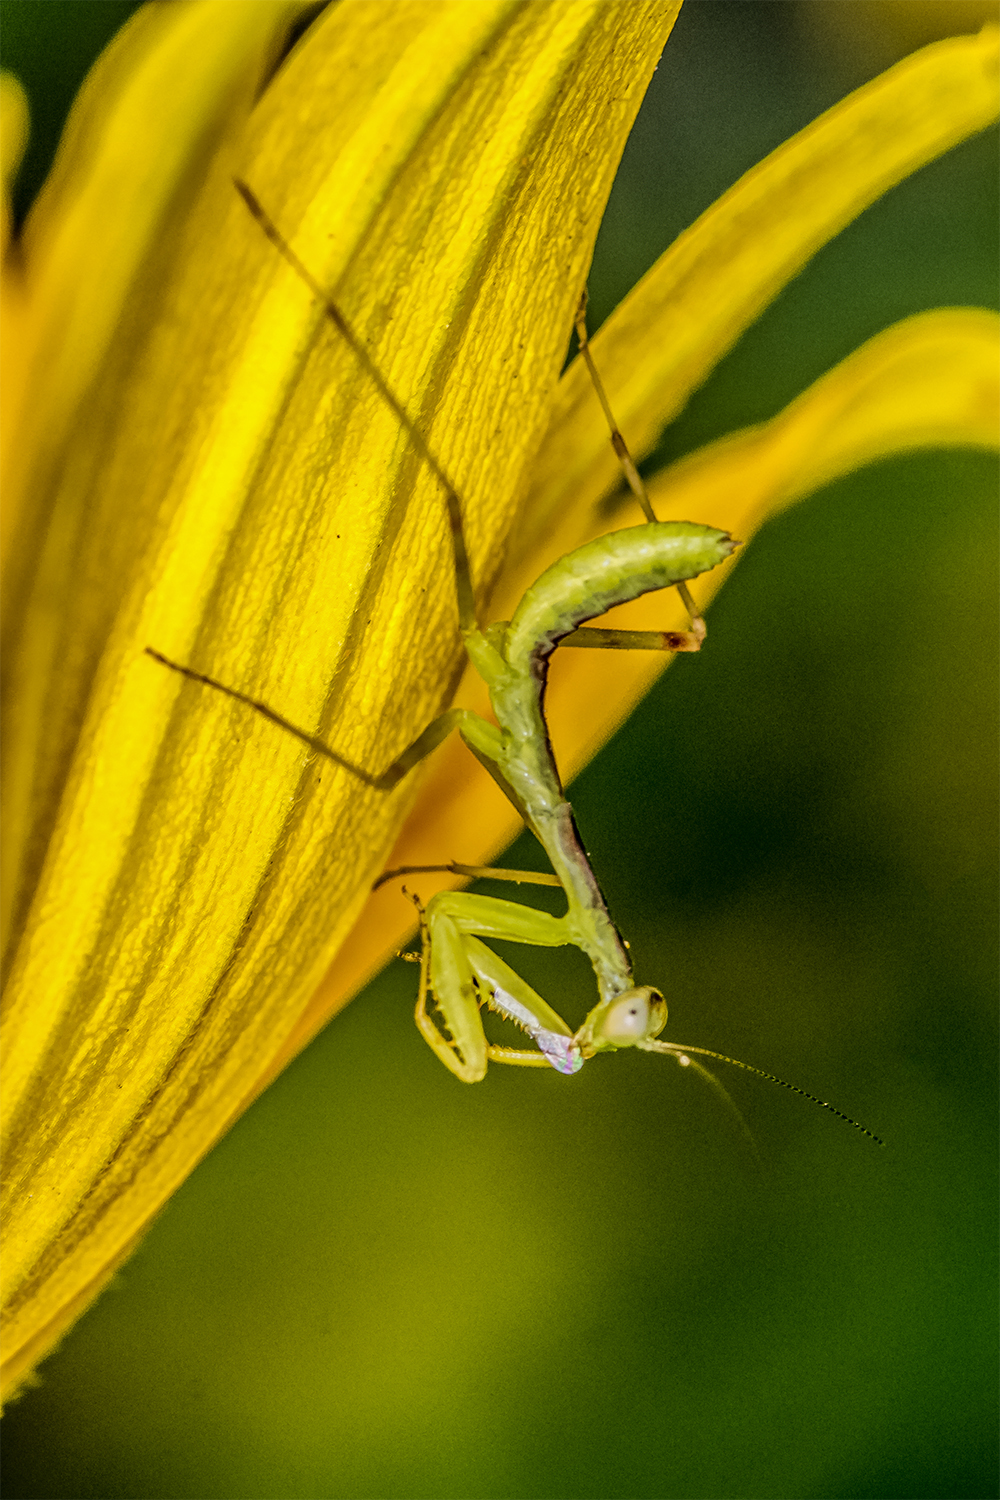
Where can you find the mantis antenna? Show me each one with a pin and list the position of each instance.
(681, 1053)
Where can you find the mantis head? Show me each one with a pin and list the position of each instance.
(631, 1019)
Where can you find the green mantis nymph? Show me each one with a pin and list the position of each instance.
(459, 973)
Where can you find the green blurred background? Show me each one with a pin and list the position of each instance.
(384, 1284)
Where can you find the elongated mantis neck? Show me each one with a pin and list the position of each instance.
(595, 933)
(527, 767)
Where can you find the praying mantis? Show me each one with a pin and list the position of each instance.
(459, 973)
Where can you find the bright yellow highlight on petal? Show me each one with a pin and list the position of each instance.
(171, 86)
(207, 470)
(14, 129)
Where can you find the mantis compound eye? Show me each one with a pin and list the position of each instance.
(635, 1016)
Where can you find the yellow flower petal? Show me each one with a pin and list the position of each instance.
(173, 82)
(14, 128)
(930, 381)
(233, 492)
(157, 109)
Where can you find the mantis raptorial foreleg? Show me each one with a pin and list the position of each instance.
(454, 963)
(459, 972)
